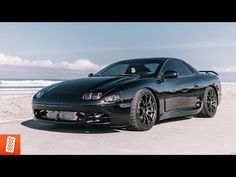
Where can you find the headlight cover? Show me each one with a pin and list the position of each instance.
(39, 94)
(92, 96)
(112, 98)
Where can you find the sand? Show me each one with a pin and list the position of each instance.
(15, 107)
(174, 136)
(228, 90)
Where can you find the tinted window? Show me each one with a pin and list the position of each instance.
(178, 66)
(145, 68)
(117, 69)
(152, 67)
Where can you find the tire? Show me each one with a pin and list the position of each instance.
(143, 113)
(209, 103)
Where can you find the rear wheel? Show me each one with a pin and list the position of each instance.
(209, 103)
(143, 112)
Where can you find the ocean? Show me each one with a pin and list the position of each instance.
(8, 86)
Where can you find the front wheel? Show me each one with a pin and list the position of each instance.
(143, 112)
(209, 103)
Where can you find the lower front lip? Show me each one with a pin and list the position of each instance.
(118, 112)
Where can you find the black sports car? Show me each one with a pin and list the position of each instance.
(133, 93)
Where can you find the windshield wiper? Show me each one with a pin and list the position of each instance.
(133, 75)
(99, 75)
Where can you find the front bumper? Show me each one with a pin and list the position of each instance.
(111, 114)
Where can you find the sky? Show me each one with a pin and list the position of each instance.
(72, 50)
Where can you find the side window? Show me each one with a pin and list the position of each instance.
(182, 69)
(152, 67)
(168, 66)
(177, 66)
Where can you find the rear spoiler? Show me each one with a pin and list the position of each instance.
(209, 72)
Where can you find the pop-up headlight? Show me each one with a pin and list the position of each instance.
(92, 96)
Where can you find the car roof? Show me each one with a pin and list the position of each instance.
(152, 58)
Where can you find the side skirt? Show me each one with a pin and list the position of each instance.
(180, 113)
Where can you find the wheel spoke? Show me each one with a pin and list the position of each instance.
(210, 109)
(150, 112)
(147, 109)
(143, 120)
(146, 120)
(142, 113)
(149, 117)
(149, 101)
(146, 100)
(212, 93)
(211, 101)
(141, 103)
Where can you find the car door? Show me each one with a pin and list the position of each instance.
(179, 93)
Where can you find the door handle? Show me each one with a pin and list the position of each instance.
(196, 85)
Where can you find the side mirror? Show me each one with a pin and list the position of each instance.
(90, 75)
(170, 74)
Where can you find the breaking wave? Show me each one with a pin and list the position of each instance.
(21, 84)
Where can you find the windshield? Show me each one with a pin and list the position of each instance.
(143, 68)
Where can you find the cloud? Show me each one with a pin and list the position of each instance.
(81, 65)
(225, 69)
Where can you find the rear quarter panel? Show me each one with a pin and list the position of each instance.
(205, 80)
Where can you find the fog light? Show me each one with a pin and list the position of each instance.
(112, 98)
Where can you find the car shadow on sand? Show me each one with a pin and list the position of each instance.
(175, 119)
(86, 129)
(83, 129)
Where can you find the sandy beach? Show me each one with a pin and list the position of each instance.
(176, 136)
(15, 107)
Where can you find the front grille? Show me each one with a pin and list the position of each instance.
(62, 116)
(98, 118)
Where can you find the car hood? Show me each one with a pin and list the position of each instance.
(75, 89)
